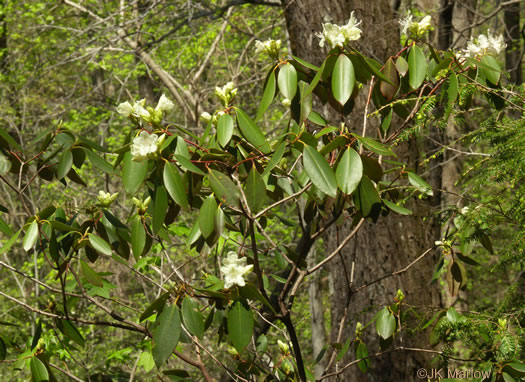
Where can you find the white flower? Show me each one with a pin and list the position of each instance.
(143, 145)
(350, 30)
(335, 35)
(408, 25)
(106, 198)
(164, 104)
(140, 111)
(226, 93)
(5, 164)
(125, 109)
(206, 117)
(234, 269)
(270, 47)
(137, 110)
(464, 210)
(483, 45)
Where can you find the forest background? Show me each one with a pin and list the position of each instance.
(436, 281)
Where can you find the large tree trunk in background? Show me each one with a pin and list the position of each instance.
(394, 241)
(512, 38)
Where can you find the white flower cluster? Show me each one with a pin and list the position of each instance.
(234, 269)
(145, 145)
(227, 93)
(105, 198)
(483, 45)
(336, 35)
(270, 47)
(415, 28)
(138, 110)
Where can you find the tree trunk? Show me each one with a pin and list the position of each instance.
(512, 38)
(394, 241)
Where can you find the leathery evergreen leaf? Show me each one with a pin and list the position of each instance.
(138, 237)
(31, 236)
(417, 67)
(251, 132)
(240, 325)
(38, 370)
(133, 173)
(319, 171)
(224, 129)
(174, 185)
(207, 216)
(343, 79)
(166, 334)
(99, 244)
(192, 317)
(255, 190)
(268, 94)
(223, 188)
(349, 171)
(287, 80)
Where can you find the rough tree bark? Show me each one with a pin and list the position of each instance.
(394, 241)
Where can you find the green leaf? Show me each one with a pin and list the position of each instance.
(452, 89)
(388, 90)
(99, 244)
(166, 334)
(343, 79)
(366, 197)
(186, 163)
(417, 64)
(268, 94)
(155, 306)
(452, 315)
(385, 323)
(361, 352)
(255, 190)
(251, 132)
(70, 331)
(38, 370)
(319, 171)
(192, 317)
(99, 162)
(207, 216)
(349, 171)
(4, 227)
(224, 129)
(7, 246)
(306, 64)
(138, 237)
(519, 367)
(64, 164)
(240, 325)
(6, 137)
(287, 80)
(31, 236)
(160, 209)
(306, 102)
(398, 209)
(146, 361)
(314, 82)
(375, 146)
(174, 185)
(420, 184)
(133, 173)
(402, 66)
(91, 275)
(276, 158)
(492, 74)
(223, 188)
